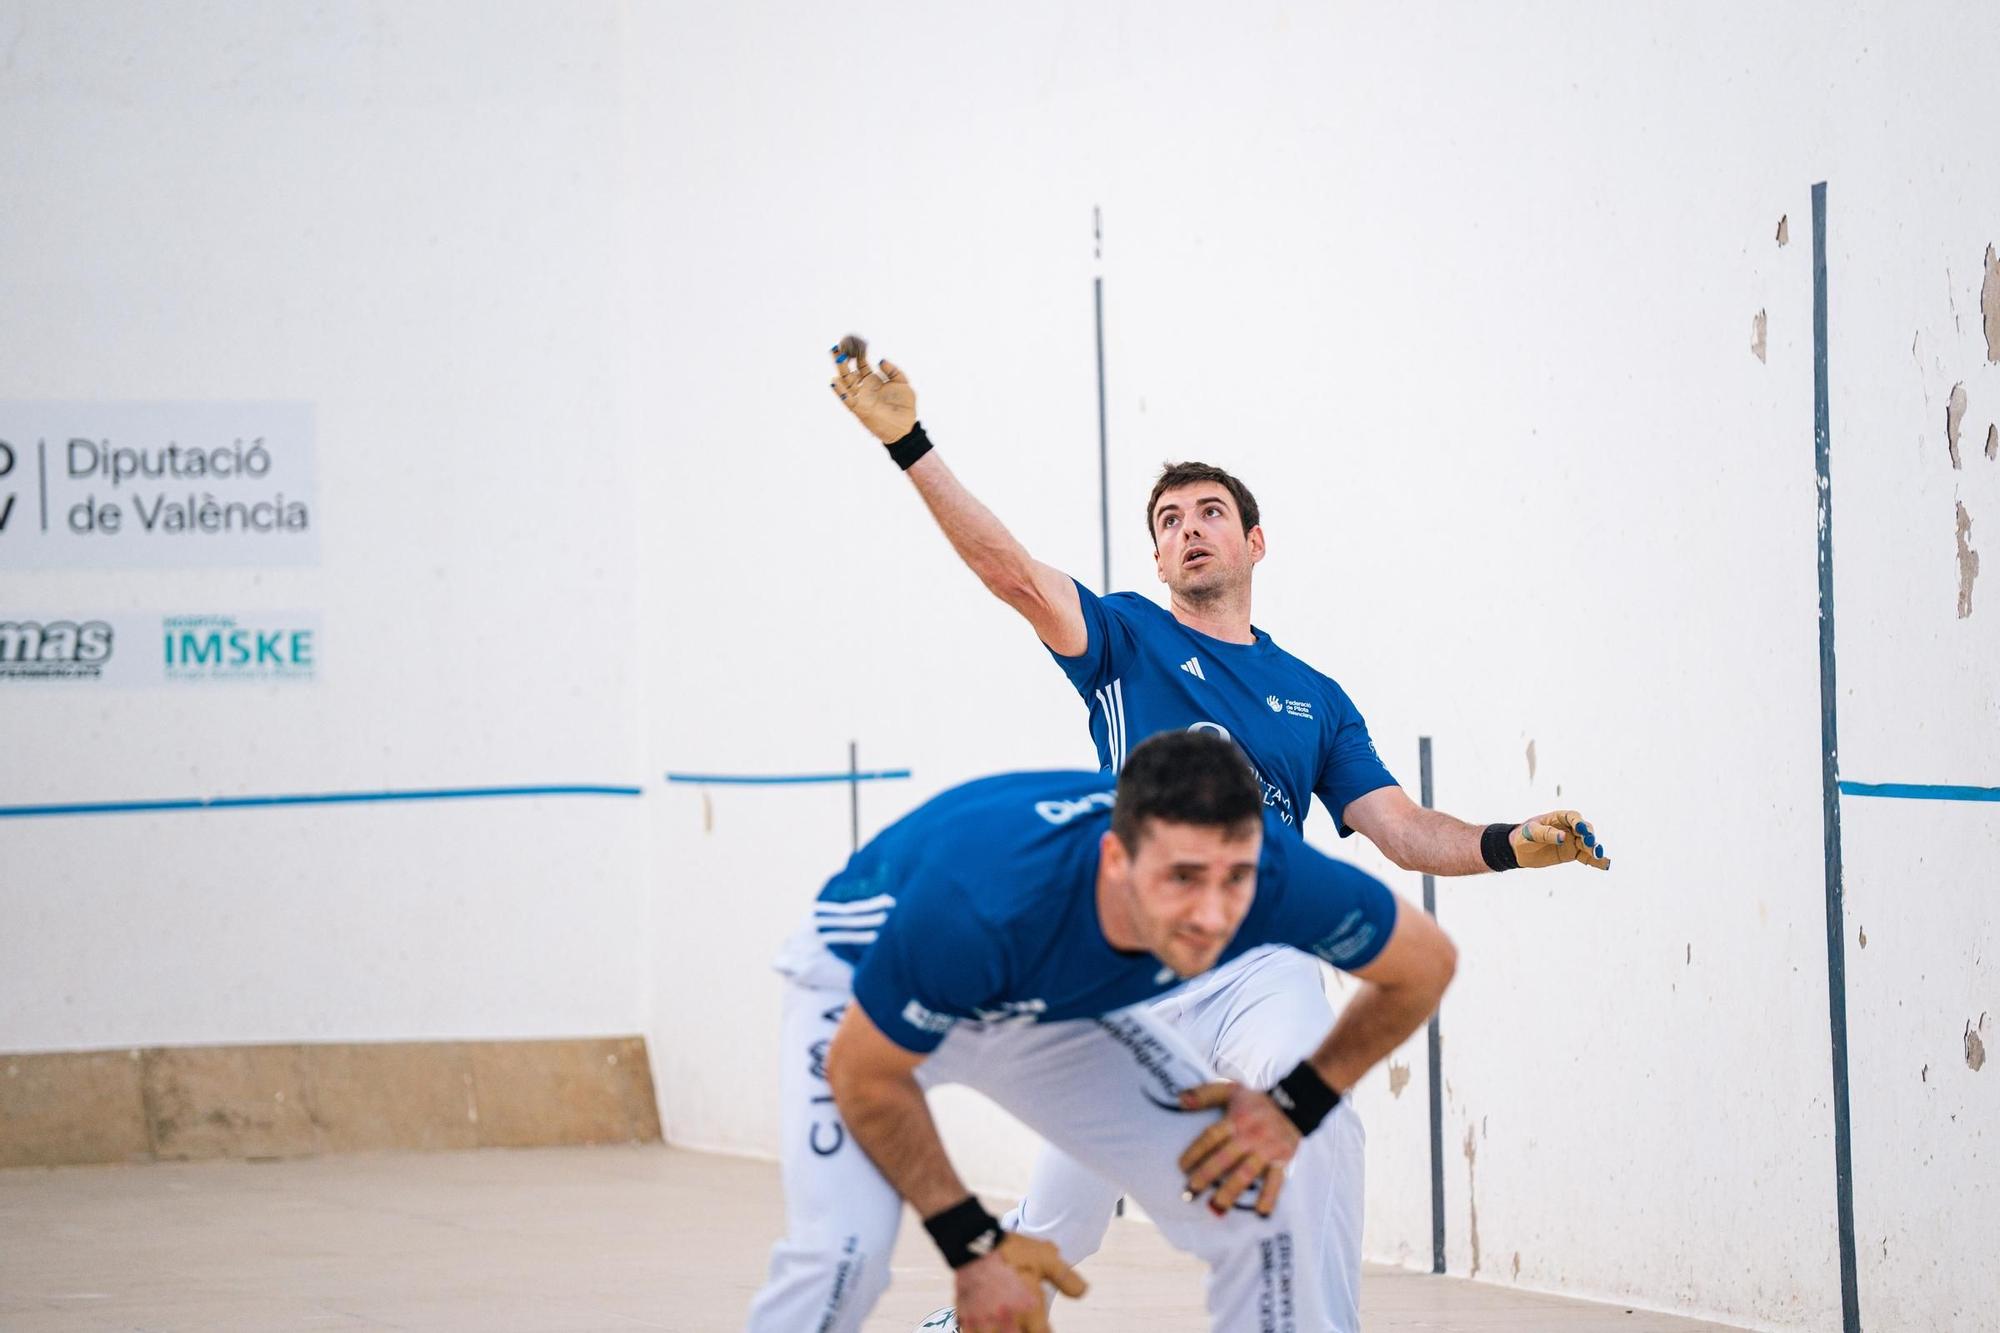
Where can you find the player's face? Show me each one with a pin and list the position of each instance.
(1200, 546)
(1190, 886)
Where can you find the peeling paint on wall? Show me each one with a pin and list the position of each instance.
(1992, 440)
(1864, 937)
(1989, 305)
(1968, 563)
(1517, 1253)
(1399, 1078)
(1785, 229)
(1975, 1059)
(1472, 1195)
(1954, 417)
(1531, 761)
(1757, 336)
(707, 814)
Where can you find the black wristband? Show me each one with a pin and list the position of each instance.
(1496, 844)
(1305, 1097)
(911, 447)
(964, 1232)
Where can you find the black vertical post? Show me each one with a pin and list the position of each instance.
(854, 795)
(1829, 744)
(1436, 1050)
(1103, 447)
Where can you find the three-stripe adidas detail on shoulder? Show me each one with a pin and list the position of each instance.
(854, 922)
(1112, 699)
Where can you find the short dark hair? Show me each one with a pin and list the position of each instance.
(1174, 475)
(1185, 777)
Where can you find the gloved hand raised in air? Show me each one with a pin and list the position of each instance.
(884, 402)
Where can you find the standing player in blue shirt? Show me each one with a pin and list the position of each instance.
(1006, 936)
(1201, 664)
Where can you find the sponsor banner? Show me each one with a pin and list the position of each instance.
(72, 648)
(251, 645)
(129, 484)
(128, 650)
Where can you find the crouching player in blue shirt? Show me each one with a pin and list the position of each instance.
(1007, 936)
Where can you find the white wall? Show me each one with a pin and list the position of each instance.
(411, 221)
(1467, 296)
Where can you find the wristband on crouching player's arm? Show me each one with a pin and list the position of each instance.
(906, 451)
(964, 1232)
(1496, 845)
(1305, 1097)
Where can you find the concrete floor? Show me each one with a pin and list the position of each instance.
(561, 1240)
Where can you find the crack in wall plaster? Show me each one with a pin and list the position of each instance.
(1968, 563)
(1472, 1194)
(1989, 305)
(1954, 418)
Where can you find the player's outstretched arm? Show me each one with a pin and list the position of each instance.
(886, 403)
(998, 1275)
(1434, 843)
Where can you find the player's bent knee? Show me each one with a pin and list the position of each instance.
(1076, 1233)
(1241, 1234)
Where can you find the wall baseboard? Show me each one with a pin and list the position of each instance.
(194, 1103)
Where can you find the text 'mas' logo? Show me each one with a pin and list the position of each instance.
(54, 649)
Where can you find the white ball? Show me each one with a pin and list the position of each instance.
(940, 1321)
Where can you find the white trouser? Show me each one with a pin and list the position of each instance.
(1101, 1090)
(1253, 1021)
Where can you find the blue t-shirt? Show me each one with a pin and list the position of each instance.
(1144, 672)
(981, 905)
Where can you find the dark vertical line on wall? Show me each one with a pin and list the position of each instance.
(1829, 745)
(1103, 447)
(1436, 1077)
(42, 471)
(854, 795)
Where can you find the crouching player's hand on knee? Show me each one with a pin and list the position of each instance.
(1249, 1145)
(1259, 1131)
(1002, 1292)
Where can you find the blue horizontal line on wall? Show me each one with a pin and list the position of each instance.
(1919, 791)
(317, 798)
(788, 779)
